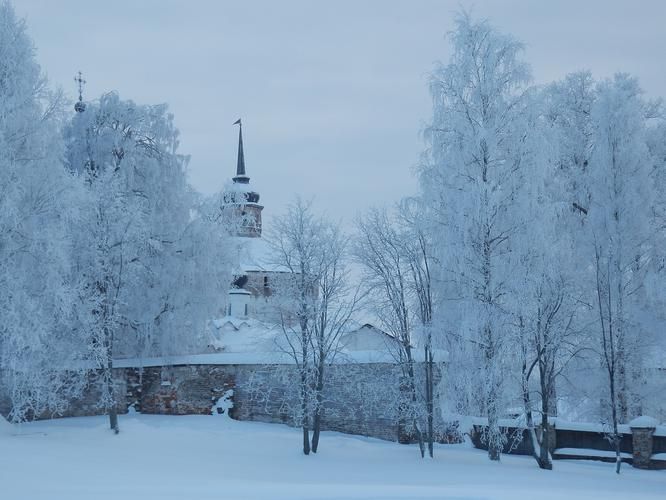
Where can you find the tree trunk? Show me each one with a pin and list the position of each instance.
(527, 405)
(316, 422)
(108, 383)
(412, 393)
(552, 399)
(544, 456)
(113, 420)
(412, 390)
(306, 438)
(305, 422)
(316, 427)
(616, 435)
(429, 400)
(609, 352)
(494, 431)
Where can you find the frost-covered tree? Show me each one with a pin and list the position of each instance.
(391, 263)
(419, 253)
(546, 288)
(39, 354)
(314, 302)
(567, 107)
(154, 266)
(109, 148)
(334, 304)
(621, 211)
(471, 182)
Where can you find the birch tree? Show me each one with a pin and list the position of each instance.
(40, 356)
(419, 254)
(547, 291)
(314, 303)
(145, 253)
(620, 213)
(471, 179)
(335, 303)
(382, 252)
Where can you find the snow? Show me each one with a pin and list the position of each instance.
(233, 321)
(246, 335)
(644, 422)
(252, 358)
(589, 452)
(517, 422)
(367, 337)
(5, 427)
(248, 341)
(590, 427)
(660, 430)
(217, 358)
(205, 457)
(658, 456)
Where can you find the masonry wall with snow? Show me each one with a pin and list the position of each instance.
(361, 398)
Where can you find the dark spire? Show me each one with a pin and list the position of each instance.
(240, 163)
(80, 106)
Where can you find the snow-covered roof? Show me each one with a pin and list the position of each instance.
(231, 334)
(644, 422)
(250, 341)
(249, 358)
(238, 187)
(266, 341)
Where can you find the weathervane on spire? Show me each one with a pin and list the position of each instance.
(80, 106)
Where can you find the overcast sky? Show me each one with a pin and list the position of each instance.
(333, 94)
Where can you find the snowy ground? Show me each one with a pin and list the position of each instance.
(199, 457)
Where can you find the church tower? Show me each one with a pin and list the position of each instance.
(241, 200)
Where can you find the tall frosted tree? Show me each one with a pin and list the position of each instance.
(419, 249)
(314, 303)
(471, 180)
(547, 290)
(621, 215)
(388, 258)
(155, 266)
(567, 112)
(39, 353)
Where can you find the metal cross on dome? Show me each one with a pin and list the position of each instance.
(80, 106)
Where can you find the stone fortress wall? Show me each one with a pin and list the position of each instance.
(361, 398)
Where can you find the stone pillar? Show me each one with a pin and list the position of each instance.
(642, 429)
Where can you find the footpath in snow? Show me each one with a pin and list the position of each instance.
(213, 457)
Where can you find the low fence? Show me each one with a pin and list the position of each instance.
(642, 443)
